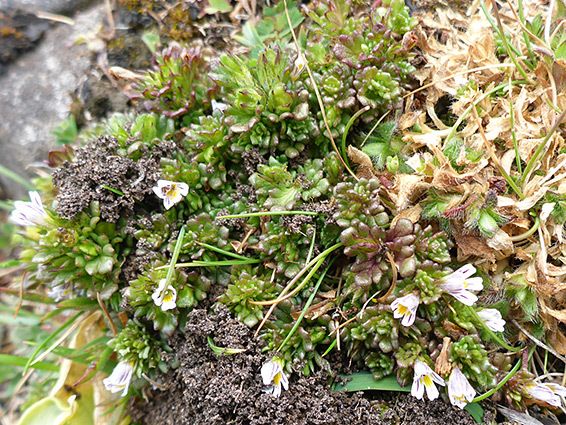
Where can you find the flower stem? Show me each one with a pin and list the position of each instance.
(267, 213)
(500, 384)
(174, 258)
(493, 335)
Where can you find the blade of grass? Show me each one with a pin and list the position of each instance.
(268, 213)
(500, 384)
(222, 251)
(16, 178)
(18, 361)
(306, 307)
(51, 337)
(212, 263)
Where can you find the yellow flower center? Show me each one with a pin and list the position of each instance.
(168, 295)
(402, 309)
(277, 379)
(427, 381)
(170, 191)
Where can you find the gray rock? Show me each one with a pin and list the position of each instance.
(51, 6)
(35, 95)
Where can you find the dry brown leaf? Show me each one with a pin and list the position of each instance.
(315, 311)
(471, 245)
(365, 166)
(408, 187)
(442, 365)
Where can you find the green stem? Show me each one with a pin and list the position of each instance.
(493, 335)
(211, 263)
(174, 258)
(540, 148)
(528, 233)
(345, 135)
(510, 52)
(526, 35)
(222, 251)
(306, 307)
(267, 213)
(513, 133)
(500, 384)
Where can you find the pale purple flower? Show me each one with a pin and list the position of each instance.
(300, 64)
(548, 392)
(120, 378)
(425, 378)
(165, 297)
(272, 371)
(460, 391)
(30, 213)
(493, 319)
(459, 284)
(406, 307)
(171, 192)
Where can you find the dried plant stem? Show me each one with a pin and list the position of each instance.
(315, 86)
(513, 133)
(105, 311)
(456, 74)
(539, 342)
(540, 149)
(494, 158)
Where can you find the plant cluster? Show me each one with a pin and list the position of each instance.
(233, 186)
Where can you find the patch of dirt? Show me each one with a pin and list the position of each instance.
(211, 389)
(97, 167)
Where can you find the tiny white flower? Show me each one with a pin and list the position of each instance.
(60, 292)
(272, 371)
(406, 307)
(459, 284)
(172, 193)
(416, 163)
(300, 64)
(460, 391)
(218, 106)
(166, 298)
(548, 392)
(120, 378)
(425, 378)
(30, 213)
(493, 319)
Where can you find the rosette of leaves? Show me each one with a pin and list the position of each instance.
(134, 133)
(280, 188)
(247, 284)
(134, 344)
(301, 347)
(284, 250)
(373, 329)
(200, 228)
(191, 287)
(178, 82)
(84, 254)
(209, 141)
(267, 108)
(470, 355)
(360, 202)
(154, 232)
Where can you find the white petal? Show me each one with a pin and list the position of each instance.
(417, 390)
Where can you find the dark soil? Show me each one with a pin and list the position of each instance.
(96, 168)
(211, 389)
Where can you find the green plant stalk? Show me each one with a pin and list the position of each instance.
(330, 347)
(318, 259)
(211, 263)
(311, 248)
(222, 251)
(493, 335)
(500, 384)
(219, 351)
(540, 148)
(267, 213)
(18, 361)
(16, 178)
(345, 135)
(51, 338)
(526, 35)
(513, 133)
(176, 252)
(528, 233)
(306, 307)
(116, 191)
(510, 52)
